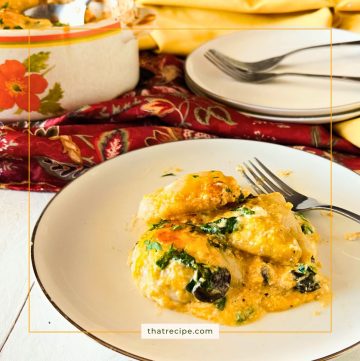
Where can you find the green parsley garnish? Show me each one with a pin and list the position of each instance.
(175, 254)
(244, 211)
(158, 225)
(152, 245)
(220, 226)
(58, 23)
(220, 303)
(306, 229)
(241, 317)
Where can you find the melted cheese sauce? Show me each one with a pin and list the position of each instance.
(203, 225)
(11, 14)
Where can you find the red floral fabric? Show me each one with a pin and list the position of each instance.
(161, 109)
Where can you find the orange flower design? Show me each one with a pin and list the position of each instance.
(166, 136)
(159, 107)
(18, 88)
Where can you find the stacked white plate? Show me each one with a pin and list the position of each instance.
(290, 99)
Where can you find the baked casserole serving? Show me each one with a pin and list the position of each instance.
(222, 254)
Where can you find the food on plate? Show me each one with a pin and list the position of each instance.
(11, 16)
(220, 253)
(353, 236)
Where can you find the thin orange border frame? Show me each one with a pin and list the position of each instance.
(92, 332)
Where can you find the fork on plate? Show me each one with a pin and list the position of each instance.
(257, 77)
(269, 63)
(265, 181)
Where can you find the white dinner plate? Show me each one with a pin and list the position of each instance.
(307, 120)
(285, 96)
(81, 243)
(320, 119)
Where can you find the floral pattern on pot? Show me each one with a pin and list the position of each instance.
(23, 86)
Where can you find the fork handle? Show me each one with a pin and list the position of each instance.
(355, 217)
(346, 43)
(340, 77)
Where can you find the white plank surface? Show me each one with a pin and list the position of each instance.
(14, 252)
(22, 346)
(13, 207)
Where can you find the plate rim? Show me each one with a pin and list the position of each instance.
(306, 119)
(286, 111)
(89, 333)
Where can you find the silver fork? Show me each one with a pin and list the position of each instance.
(265, 181)
(249, 76)
(270, 63)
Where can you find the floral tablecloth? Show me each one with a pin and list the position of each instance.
(161, 109)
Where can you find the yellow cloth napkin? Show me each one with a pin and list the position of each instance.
(347, 20)
(146, 41)
(347, 15)
(347, 5)
(350, 130)
(246, 6)
(180, 30)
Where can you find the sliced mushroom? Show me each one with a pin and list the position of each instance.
(209, 284)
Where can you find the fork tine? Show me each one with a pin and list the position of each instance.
(237, 73)
(255, 186)
(224, 68)
(267, 180)
(259, 182)
(219, 60)
(283, 185)
(216, 60)
(261, 65)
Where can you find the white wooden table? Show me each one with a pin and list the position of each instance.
(16, 343)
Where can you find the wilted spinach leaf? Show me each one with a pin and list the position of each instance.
(305, 278)
(220, 303)
(306, 228)
(208, 284)
(218, 242)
